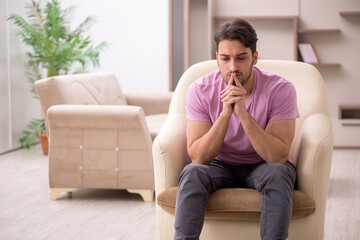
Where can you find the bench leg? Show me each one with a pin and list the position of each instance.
(147, 195)
(55, 192)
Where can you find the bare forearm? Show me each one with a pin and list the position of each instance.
(206, 148)
(269, 147)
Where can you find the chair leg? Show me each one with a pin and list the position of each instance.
(55, 192)
(146, 194)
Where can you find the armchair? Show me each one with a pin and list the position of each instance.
(100, 137)
(235, 213)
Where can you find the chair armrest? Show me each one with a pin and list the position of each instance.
(169, 152)
(97, 116)
(314, 153)
(152, 103)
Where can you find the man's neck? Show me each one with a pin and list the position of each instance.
(250, 84)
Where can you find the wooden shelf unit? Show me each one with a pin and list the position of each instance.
(349, 115)
(214, 21)
(327, 65)
(349, 13)
(304, 31)
(227, 18)
(310, 31)
(349, 111)
(291, 18)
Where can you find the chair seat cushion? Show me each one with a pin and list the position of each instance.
(238, 204)
(154, 123)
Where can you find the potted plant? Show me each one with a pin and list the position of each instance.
(56, 49)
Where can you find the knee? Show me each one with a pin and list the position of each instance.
(280, 174)
(277, 168)
(194, 173)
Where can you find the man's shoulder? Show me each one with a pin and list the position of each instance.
(206, 87)
(271, 80)
(211, 79)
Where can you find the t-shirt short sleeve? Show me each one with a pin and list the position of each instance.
(284, 103)
(195, 109)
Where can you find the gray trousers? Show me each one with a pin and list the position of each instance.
(274, 181)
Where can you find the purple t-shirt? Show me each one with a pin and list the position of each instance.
(272, 98)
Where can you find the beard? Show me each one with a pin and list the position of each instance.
(242, 77)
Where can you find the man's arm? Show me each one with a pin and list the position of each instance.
(204, 140)
(272, 143)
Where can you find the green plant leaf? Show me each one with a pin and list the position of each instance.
(55, 49)
(31, 132)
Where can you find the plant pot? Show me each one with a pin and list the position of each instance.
(44, 143)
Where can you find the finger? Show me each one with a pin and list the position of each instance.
(223, 92)
(223, 95)
(226, 89)
(232, 91)
(232, 100)
(237, 81)
(238, 84)
(231, 81)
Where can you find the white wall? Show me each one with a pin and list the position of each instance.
(17, 107)
(4, 101)
(136, 30)
(256, 7)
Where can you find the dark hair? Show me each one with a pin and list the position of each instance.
(237, 29)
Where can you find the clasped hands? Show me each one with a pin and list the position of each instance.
(233, 97)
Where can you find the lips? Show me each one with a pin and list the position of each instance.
(238, 74)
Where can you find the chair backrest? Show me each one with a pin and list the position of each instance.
(83, 89)
(310, 88)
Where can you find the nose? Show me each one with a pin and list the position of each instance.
(232, 65)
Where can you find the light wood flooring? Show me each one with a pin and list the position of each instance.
(27, 213)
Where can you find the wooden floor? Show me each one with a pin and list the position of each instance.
(342, 219)
(27, 213)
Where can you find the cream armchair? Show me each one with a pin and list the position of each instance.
(235, 213)
(100, 137)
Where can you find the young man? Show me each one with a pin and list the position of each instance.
(240, 125)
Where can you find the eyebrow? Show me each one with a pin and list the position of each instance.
(239, 54)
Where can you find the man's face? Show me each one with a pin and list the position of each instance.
(233, 56)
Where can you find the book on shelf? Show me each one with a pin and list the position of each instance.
(307, 53)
